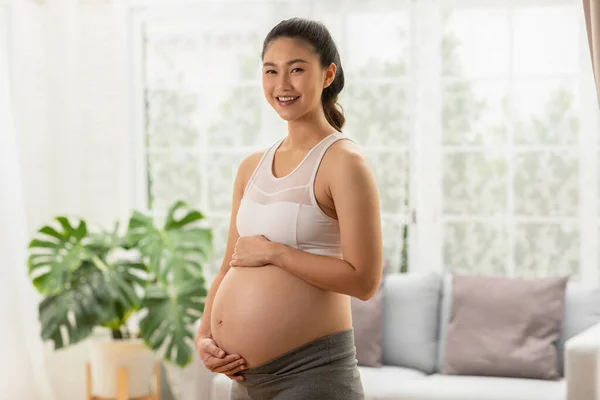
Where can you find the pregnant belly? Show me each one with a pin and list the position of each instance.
(261, 313)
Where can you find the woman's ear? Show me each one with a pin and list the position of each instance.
(330, 75)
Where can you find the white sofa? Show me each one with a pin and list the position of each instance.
(416, 312)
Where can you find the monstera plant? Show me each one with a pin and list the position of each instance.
(101, 278)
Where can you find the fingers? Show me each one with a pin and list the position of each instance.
(232, 367)
(215, 364)
(233, 374)
(215, 351)
(216, 360)
(235, 377)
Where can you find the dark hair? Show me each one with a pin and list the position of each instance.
(319, 37)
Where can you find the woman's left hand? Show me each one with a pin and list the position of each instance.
(251, 251)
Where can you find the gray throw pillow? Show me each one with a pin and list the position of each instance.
(504, 326)
(367, 323)
(410, 322)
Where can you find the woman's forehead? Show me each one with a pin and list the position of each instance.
(285, 49)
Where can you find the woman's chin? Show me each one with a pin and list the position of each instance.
(288, 116)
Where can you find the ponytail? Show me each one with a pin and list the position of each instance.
(333, 111)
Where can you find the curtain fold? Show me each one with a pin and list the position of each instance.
(591, 10)
(22, 369)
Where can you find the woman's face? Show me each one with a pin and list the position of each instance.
(293, 78)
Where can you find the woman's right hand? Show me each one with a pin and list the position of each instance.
(216, 360)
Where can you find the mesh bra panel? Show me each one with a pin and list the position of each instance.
(284, 209)
(265, 188)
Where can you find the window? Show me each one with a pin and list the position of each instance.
(478, 119)
(515, 138)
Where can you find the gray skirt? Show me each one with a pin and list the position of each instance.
(325, 369)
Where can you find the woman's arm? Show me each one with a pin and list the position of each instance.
(356, 200)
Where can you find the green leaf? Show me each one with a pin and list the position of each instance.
(167, 326)
(123, 280)
(173, 253)
(76, 309)
(54, 255)
(50, 231)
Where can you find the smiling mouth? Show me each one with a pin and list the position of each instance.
(284, 100)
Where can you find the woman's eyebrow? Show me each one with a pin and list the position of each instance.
(296, 60)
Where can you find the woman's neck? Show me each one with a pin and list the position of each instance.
(304, 133)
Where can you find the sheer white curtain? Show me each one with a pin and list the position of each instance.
(22, 372)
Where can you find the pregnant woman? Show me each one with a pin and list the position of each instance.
(304, 236)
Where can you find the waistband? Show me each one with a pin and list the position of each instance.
(321, 351)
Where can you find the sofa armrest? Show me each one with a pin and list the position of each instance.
(582, 365)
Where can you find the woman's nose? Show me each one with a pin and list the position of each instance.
(283, 82)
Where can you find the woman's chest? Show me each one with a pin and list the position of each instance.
(288, 223)
(275, 221)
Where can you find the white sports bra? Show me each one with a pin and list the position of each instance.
(285, 209)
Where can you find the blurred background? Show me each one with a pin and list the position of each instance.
(479, 118)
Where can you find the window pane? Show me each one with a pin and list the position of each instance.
(472, 247)
(233, 115)
(377, 114)
(475, 43)
(546, 184)
(475, 183)
(546, 112)
(381, 50)
(391, 171)
(233, 54)
(174, 176)
(171, 119)
(221, 172)
(393, 241)
(220, 227)
(171, 60)
(546, 250)
(475, 113)
(546, 39)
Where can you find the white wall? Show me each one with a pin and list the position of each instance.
(70, 92)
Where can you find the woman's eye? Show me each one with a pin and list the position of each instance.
(297, 69)
(270, 71)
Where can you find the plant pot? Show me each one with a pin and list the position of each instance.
(107, 355)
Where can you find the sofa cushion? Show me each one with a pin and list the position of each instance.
(387, 382)
(449, 387)
(367, 322)
(410, 322)
(582, 311)
(503, 326)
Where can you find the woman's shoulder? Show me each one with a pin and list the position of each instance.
(347, 169)
(249, 164)
(344, 153)
(252, 159)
